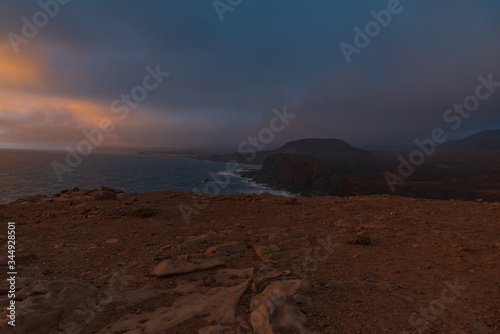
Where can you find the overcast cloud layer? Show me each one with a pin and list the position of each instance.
(227, 76)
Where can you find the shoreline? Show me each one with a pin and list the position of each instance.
(130, 182)
(244, 173)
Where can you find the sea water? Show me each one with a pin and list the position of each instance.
(30, 173)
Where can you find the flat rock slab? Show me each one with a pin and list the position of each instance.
(43, 306)
(229, 248)
(184, 264)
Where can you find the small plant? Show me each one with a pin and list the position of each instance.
(144, 213)
(361, 240)
(291, 201)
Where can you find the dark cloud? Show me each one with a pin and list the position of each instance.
(226, 77)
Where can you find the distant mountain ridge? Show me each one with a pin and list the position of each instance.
(324, 149)
(464, 169)
(303, 146)
(487, 140)
(333, 149)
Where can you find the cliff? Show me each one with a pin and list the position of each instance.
(467, 169)
(303, 173)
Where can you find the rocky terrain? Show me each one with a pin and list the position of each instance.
(102, 261)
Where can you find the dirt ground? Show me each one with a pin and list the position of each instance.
(432, 266)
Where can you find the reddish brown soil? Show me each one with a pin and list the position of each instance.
(419, 247)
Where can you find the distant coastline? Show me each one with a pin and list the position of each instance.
(29, 173)
(465, 169)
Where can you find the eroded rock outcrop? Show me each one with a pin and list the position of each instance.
(276, 307)
(214, 304)
(267, 271)
(43, 306)
(197, 291)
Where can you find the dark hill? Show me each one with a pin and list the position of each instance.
(464, 169)
(324, 149)
(315, 147)
(484, 140)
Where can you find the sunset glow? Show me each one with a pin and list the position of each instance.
(223, 84)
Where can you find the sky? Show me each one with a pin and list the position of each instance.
(230, 63)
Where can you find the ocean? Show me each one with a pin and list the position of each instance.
(30, 173)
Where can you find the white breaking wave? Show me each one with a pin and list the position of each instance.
(262, 188)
